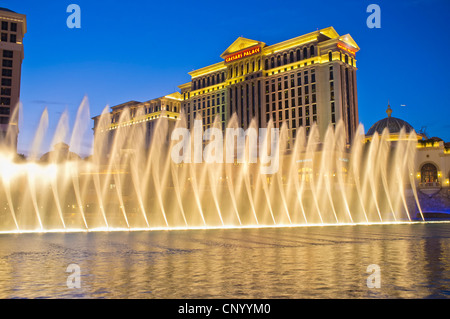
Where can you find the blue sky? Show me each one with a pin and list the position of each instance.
(138, 50)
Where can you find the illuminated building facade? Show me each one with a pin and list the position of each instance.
(306, 80)
(126, 116)
(431, 165)
(12, 30)
(301, 81)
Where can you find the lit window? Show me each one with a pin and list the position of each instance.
(429, 173)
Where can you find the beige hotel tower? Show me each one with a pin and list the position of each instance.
(12, 30)
(305, 80)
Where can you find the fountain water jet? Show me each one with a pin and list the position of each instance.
(126, 185)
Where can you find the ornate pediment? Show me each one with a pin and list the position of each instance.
(347, 39)
(241, 44)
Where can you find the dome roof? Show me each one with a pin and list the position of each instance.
(60, 154)
(7, 10)
(393, 124)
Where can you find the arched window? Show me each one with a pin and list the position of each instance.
(330, 56)
(311, 50)
(429, 173)
(272, 62)
(285, 59)
(223, 76)
(231, 72)
(218, 77)
(259, 64)
(298, 55)
(305, 53)
(346, 58)
(278, 60)
(266, 64)
(291, 57)
(203, 82)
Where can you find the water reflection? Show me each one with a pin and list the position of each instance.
(312, 262)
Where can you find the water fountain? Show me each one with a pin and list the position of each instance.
(139, 188)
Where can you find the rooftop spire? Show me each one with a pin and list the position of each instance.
(389, 110)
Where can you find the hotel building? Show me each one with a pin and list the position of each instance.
(12, 30)
(306, 80)
(125, 116)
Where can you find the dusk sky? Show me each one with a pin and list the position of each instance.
(140, 50)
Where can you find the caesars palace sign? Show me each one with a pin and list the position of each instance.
(257, 49)
(243, 54)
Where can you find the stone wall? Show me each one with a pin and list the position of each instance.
(438, 202)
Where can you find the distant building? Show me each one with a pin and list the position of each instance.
(126, 116)
(12, 30)
(59, 154)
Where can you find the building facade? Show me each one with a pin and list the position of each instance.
(306, 80)
(12, 29)
(301, 81)
(134, 114)
(431, 163)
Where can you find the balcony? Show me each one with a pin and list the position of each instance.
(430, 188)
(429, 184)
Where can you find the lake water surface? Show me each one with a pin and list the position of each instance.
(304, 262)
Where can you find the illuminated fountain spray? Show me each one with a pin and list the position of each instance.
(126, 185)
